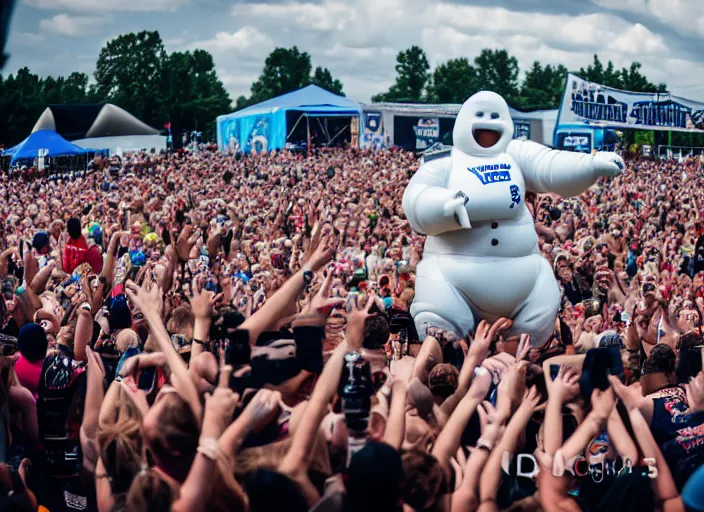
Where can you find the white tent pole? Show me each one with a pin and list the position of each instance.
(308, 127)
(295, 125)
(338, 133)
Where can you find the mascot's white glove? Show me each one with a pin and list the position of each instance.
(457, 206)
(608, 164)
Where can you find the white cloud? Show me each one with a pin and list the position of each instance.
(245, 39)
(358, 39)
(328, 16)
(72, 26)
(25, 38)
(109, 5)
(638, 40)
(687, 16)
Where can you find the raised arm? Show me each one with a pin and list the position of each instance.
(430, 207)
(562, 172)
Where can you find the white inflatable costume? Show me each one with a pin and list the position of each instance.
(481, 258)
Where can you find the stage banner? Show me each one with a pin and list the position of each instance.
(373, 136)
(521, 130)
(427, 132)
(600, 106)
(255, 133)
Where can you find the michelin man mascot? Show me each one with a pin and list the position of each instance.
(481, 259)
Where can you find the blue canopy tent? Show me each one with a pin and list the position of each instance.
(268, 125)
(43, 143)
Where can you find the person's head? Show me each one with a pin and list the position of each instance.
(181, 321)
(425, 480)
(270, 490)
(172, 433)
(658, 369)
(33, 342)
(122, 452)
(73, 227)
(443, 380)
(376, 331)
(375, 479)
(149, 492)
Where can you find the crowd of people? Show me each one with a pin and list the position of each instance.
(200, 331)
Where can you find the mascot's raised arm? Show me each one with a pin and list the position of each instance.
(481, 258)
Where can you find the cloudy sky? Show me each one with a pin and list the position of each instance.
(359, 39)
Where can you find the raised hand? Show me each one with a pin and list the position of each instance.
(322, 303)
(355, 324)
(603, 403)
(695, 392)
(483, 336)
(565, 387)
(147, 298)
(220, 406)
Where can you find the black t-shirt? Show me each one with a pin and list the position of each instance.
(11, 329)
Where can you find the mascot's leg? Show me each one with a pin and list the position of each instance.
(437, 302)
(536, 315)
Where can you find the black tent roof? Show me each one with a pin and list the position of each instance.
(83, 121)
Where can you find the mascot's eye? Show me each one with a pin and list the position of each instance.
(480, 114)
(495, 115)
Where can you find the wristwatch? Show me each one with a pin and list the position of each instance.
(308, 276)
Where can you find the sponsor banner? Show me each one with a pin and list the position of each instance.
(373, 136)
(427, 132)
(597, 105)
(521, 130)
(258, 135)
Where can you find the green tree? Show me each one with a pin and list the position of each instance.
(75, 88)
(193, 95)
(453, 82)
(542, 87)
(21, 104)
(285, 70)
(498, 71)
(323, 78)
(412, 77)
(129, 73)
(633, 80)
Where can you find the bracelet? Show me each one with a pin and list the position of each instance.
(200, 342)
(483, 444)
(633, 350)
(208, 446)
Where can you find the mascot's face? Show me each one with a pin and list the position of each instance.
(484, 126)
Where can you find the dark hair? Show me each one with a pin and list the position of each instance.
(425, 480)
(376, 331)
(270, 490)
(32, 342)
(73, 226)
(662, 359)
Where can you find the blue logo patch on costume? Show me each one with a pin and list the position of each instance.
(495, 173)
(515, 195)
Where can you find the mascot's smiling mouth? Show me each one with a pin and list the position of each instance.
(487, 137)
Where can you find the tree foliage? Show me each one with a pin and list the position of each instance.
(286, 70)
(453, 82)
(542, 87)
(412, 77)
(627, 79)
(323, 78)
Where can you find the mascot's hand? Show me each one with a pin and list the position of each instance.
(457, 206)
(608, 164)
